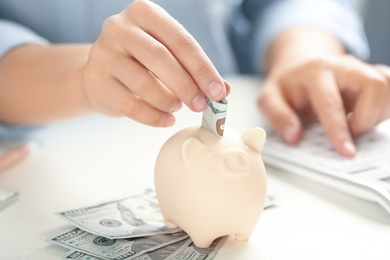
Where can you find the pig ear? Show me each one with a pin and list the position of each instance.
(254, 138)
(191, 148)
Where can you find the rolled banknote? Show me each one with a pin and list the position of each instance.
(136, 216)
(214, 116)
(113, 249)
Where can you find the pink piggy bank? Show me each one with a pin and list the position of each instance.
(212, 186)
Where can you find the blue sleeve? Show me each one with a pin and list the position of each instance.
(9, 132)
(336, 16)
(13, 35)
(268, 18)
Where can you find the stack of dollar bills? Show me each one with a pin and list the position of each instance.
(130, 228)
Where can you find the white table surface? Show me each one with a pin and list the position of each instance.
(96, 159)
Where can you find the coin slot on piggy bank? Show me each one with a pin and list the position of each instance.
(212, 186)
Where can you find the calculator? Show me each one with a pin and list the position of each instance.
(367, 175)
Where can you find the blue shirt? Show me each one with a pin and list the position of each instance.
(235, 34)
(226, 29)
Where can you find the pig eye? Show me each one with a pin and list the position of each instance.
(236, 162)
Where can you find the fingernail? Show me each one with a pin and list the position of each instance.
(289, 134)
(216, 90)
(169, 121)
(199, 103)
(177, 107)
(349, 147)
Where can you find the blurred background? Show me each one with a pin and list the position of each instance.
(375, 14)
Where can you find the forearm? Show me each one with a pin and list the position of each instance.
(300, 44)
(39, 84)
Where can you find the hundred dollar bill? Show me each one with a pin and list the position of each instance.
(192, 252)
(114, 249)
(163, 253)
(79, 255)
(214, 116)
(136, 216)
(181, 250)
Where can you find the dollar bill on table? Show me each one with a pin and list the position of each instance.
(136, 216)
(114, 249)
(80, 256)
(181, 250)
(192, 252)
(214, 116)
(162, 253)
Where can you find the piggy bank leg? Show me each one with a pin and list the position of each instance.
(201, 241)
(242, 236)
(169, 223)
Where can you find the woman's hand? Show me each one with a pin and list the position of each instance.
(145, 64)
(347, 96)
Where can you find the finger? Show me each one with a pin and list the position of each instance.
(281, 116)
(385, 70)
(124, 102)
(160, 61)
(369, 89)
(327, 103)
(184, 47)
(14, 156)
(144, 84)
(370, 104)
